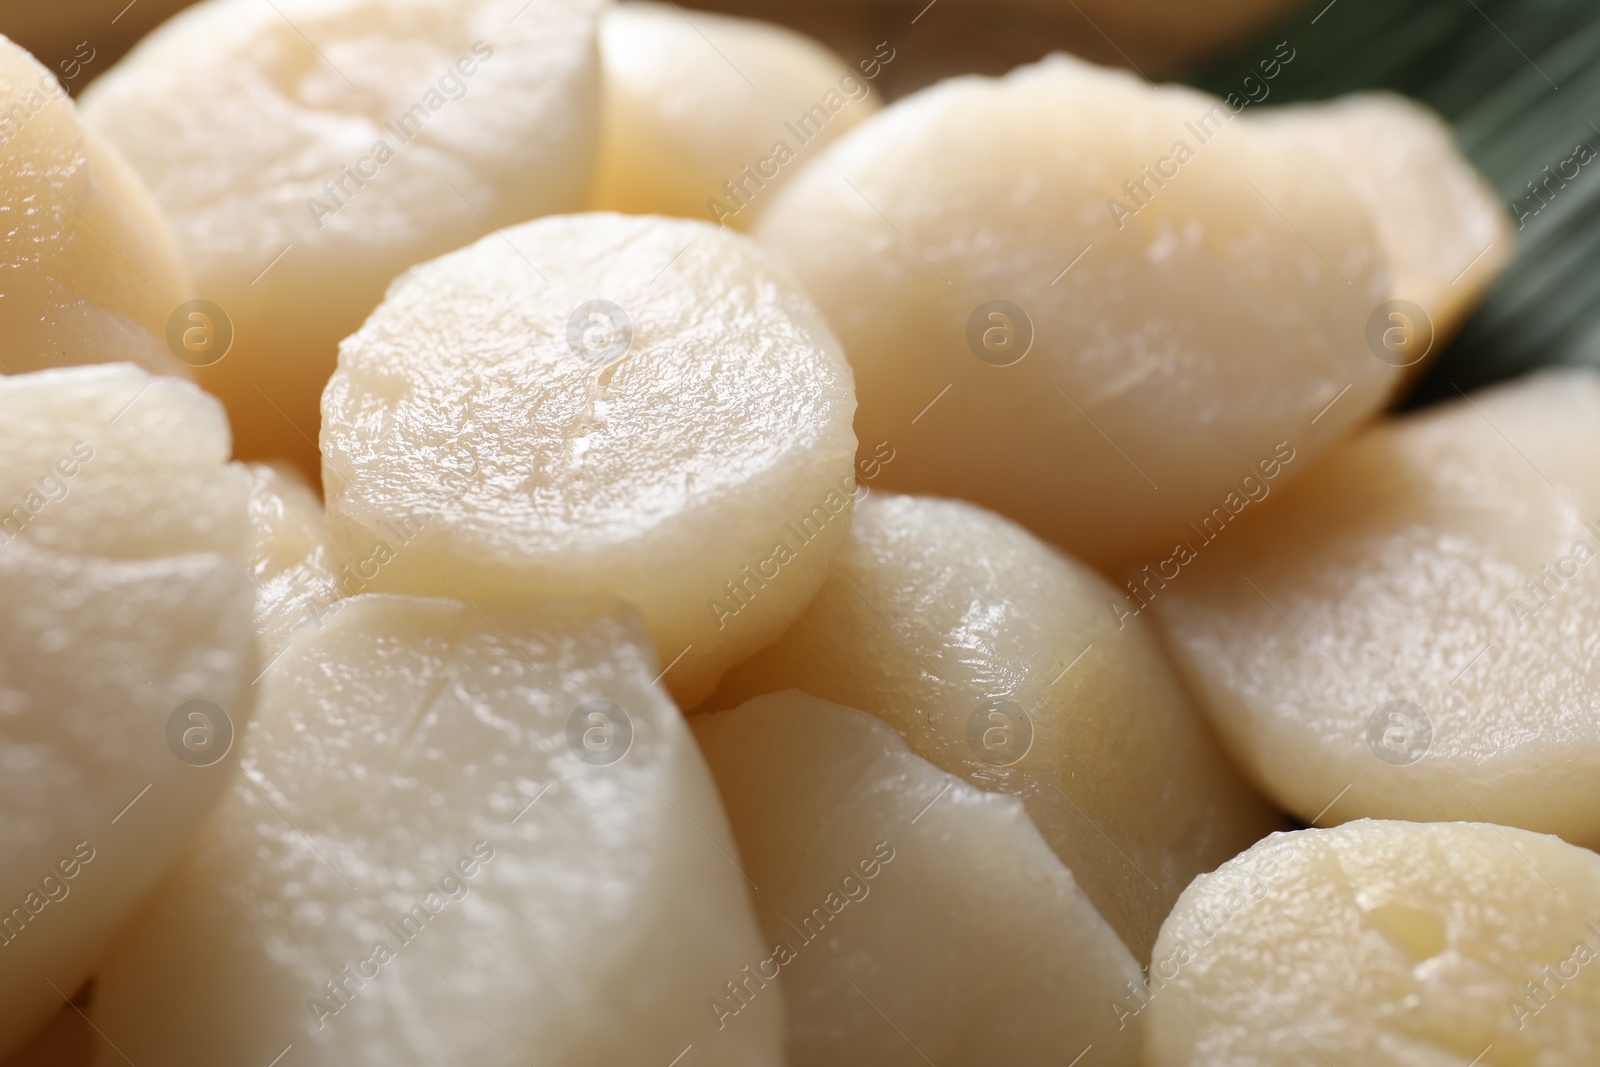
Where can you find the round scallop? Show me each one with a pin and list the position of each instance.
(1409, 631)
(460, 835)
(637, 405)
(113, 462)
(291, 554)
(307, 151)
(1085, 302)
(126, 656)
(1391, 944)
(1444, 230)
(911, 918)
(1004, 662)
(95, 274)
(704, 115)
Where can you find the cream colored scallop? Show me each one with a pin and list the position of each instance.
(704, 115)
(1045, 324)
(643, 406)
(889, 890)
(1410, 629)
(95, 274)
(460, 836)
(113, 462)
(292, 556)
(1445, 231)
(1388, 944)
(307, 151)
(126, 655)
(1003, 661)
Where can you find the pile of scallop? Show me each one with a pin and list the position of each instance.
(722, 571)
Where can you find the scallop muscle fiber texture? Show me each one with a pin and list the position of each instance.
(291, 556)
(1412, 627)
(307, 151)
(1385, 944)
(888, 885)
(1003, 661)
(1444, 229)
(126, 654)
(638, 405)
(94, 273)
(461, 835)
(1088, 303)
(704, 115)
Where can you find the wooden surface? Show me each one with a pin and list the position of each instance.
(1162, 38)
(53, 30)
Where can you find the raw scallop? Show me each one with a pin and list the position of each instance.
(1388, 944)
(460, 836)
(1002, 661)
(126, 655)
(588, 403)
(1411, 629)
(1088, 303)
(93, 274)
(911, 918)
(704, 115)
(307, 151)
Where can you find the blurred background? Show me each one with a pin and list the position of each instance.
(1518, 79)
